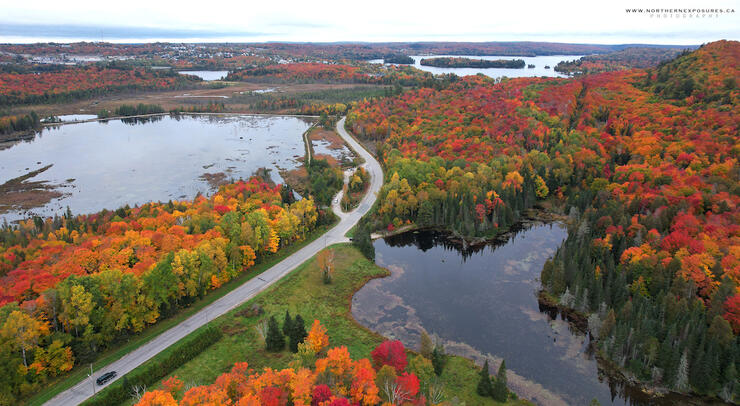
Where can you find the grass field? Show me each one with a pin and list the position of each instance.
(303, 292)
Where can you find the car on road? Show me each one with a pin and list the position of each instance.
(103, 379)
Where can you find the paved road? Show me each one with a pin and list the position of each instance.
(248, 290)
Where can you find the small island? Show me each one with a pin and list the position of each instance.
(530, 66)
(456, 62)
(398, 59)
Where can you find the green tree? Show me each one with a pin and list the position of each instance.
(425, 345)
(23, 331)
(484, 387)
(297, 333)
(500, 390)
(287, 323)
(385, 381)
(439, 359)
(274, 341)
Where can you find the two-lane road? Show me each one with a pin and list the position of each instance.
(83, 390)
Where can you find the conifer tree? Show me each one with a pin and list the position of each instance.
(274, 341)
(297, 333)
(484, 383)
(500, 391)
(287, 323)
(439, 359)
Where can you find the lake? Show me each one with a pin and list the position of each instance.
(206, 75)
(481, 303)
(68, 118)
(104, 165)
(538, 61)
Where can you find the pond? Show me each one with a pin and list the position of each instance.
(104, 165)
(539, 63)
(482, 303)
(206, 75)
(340, 153)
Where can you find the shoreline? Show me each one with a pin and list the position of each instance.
(38, 193)
(621, 382)
(647, 392)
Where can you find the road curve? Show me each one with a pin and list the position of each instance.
(83, 390)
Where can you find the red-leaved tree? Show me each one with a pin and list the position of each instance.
(390, 353)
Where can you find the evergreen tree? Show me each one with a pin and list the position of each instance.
(274, 341)
(439, 359)
(484, 384)
(287, 323)
(500, 391)
(297, 333)
(731, 386)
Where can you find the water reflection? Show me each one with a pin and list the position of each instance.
(481, 302)
(543, 65)
(108, 164)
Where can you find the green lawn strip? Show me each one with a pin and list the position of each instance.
(303, 292)
(80, 371)
(153, 369)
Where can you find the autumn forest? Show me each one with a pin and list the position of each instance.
(634, 151)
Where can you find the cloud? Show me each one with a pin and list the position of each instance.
(95, 32)
(380, 20)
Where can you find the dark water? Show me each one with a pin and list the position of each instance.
(481, 302)
(105, 165)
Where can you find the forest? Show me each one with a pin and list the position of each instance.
(19, 123)
(448, 62)
(243, 56)
(643, 163)
(627, 58)
(331, 73)
(399, 59)
(75, 83)
(74, 285)
(127, 110)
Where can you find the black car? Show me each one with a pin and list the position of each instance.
(103, 379)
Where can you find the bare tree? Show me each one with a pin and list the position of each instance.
(138, 391)
(394, 393)
(435, 392)
(261, 328)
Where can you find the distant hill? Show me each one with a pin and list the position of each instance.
(709, 74)
(637, 57)
(316, 50)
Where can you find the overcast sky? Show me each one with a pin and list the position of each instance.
(582, 21)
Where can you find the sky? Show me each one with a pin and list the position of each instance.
(579, 21)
